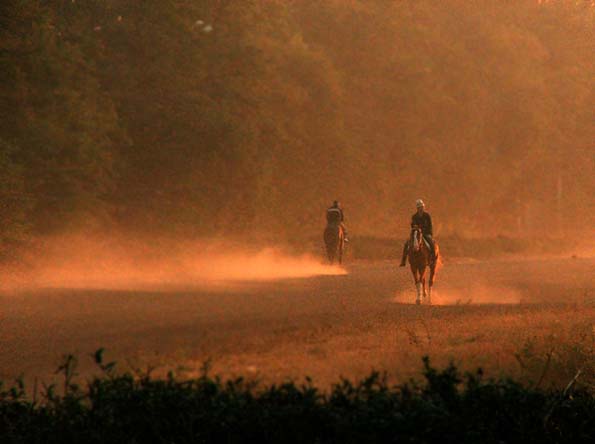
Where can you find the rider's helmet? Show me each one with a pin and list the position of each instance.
(336, 203)
(420, 203)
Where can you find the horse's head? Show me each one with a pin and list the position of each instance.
(415, 237)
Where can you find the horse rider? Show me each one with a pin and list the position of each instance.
(334, 216)
(424, 221)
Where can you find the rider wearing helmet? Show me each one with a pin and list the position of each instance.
(334, 216)
(424, 221)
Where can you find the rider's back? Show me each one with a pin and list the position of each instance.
(334, 216)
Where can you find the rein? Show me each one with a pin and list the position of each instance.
(415, 240)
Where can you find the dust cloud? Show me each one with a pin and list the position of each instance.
(477, 294)
(126, 264)
(473, 293)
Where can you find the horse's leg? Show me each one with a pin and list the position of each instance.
(426, 265)
(431, 281)
(422, 280)
(340, 250)
(430, 284)
(415, 272)
(418, 293)
(433, 270)
(330, 253)
(432, 267)
(327, 248)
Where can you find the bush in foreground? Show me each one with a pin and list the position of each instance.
(447, 407)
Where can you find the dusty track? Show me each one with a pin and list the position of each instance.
(324, 326)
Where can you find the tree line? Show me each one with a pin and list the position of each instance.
(199, 118)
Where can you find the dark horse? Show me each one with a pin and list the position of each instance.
(419, 260)
(334, 240)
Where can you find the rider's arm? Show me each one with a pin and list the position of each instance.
(429, 225)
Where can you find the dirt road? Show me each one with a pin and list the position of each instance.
(325, 326)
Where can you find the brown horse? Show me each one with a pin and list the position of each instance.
(334, 240)
(419, 261)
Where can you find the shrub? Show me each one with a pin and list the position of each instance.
(446, 407)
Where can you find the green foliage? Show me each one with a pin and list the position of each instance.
(14, 201)
(448, 407)
(249, 117)
(64, 125)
